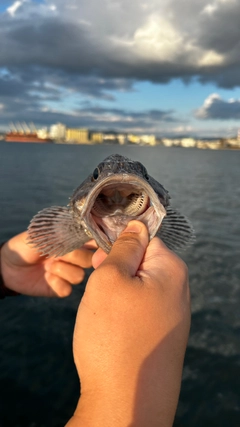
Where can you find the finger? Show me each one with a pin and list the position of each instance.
(98, 257)
(128, 250)
(80, 257)
(69, 272)
(60, 287)
(20, 251)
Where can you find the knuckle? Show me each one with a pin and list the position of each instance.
(180, 265)
(56, 267)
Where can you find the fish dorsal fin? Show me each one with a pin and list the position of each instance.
(54, 232)
(176, 230)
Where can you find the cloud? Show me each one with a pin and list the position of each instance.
(12, 9)
(53, 51)
(123, 39)
(27, 102)
(215, 108)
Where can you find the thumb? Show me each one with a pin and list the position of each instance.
(129, 249)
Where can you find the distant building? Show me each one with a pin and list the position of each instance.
(233, 143)
(209, 144)
(167, 142)
(77, 136)
(122, 139)
(58, 132)
(141, 139)
(188, 142)
(96, 137)
(110, 138)
(42, 133)
(148, 139)
(134, 139)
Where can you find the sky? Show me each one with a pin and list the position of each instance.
(169, 68)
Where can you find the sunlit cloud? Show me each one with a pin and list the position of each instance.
(216, 108)
(15, 6)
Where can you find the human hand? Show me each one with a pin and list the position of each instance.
(25, 271)
(131, 333)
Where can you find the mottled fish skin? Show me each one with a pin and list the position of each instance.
(118, 190)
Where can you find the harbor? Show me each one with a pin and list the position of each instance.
(60, 134)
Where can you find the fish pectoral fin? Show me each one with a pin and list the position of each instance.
(176, 230)
(54, 232)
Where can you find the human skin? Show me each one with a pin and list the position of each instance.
(25, 271)
(131, 334)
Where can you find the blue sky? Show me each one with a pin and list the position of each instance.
(169, 68)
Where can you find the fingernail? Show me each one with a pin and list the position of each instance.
(133, 227)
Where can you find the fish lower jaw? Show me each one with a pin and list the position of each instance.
(105, 230)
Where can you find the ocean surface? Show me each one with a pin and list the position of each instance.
(38, 382)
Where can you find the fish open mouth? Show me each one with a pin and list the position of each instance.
(117, 200)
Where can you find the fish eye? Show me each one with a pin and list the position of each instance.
(95, 173)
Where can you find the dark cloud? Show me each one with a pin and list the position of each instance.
(215, 108)
(222, 30)
(24, 105)
(50, 51)
(153, 115)
(126, 40)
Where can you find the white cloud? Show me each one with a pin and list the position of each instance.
(15, 6)
(211, 8)
(52, 7)
(210, 99)
(216, 108)
(160, 41)
(183, 129)
(157, 39)
(202, 112)
(210, 58)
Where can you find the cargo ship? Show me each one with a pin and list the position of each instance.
(25, 134)
(24, 137)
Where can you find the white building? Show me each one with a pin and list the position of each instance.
(58, 132)
(42, 133)
(188, 142)
(167, 142)
(148, 139)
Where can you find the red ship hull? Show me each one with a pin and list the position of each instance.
(15, 137)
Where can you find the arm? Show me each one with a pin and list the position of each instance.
(130, 335)
(25, 271)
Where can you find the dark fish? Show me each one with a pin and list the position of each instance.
(117, 191)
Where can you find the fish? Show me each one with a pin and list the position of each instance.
(117, 191)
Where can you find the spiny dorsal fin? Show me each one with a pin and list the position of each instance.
(55, 232)
(176, 230)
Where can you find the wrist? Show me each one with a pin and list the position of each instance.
(144, 401)
(97, 410)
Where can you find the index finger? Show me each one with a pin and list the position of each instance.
(81, 257)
